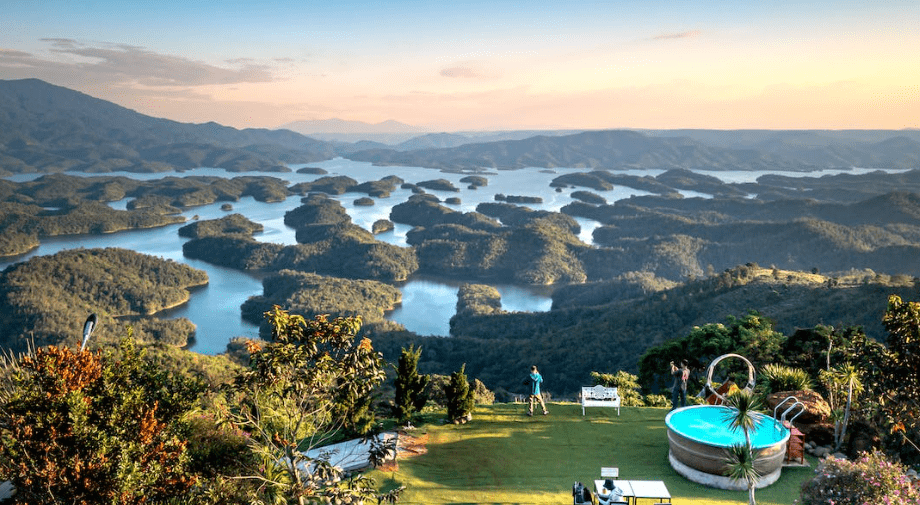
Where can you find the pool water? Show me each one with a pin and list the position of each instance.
(709, 424)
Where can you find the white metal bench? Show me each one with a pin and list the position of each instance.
(599, 396)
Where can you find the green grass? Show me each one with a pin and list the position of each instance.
(503, 456)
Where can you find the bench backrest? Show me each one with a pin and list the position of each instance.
(599, 393)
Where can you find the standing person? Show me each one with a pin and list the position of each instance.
(534, 380)
(679, 388)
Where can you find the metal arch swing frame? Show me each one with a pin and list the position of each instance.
(712, 366)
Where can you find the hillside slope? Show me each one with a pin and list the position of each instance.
(47, 128)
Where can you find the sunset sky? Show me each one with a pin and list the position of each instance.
(489, 65)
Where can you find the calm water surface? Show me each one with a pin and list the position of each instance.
(428, 304)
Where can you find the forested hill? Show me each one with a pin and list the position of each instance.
(607, 326)
(47, 128)
(45, 299)
(622, 149)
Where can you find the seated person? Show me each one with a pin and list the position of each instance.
(610, 494)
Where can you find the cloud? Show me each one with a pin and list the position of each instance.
(466, 71)
(127, 64)
(681, 35)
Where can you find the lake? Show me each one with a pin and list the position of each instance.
(428, 303)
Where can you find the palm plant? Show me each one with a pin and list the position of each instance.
(743, 406)
(836, 379)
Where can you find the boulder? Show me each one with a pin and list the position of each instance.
(818, 434)
(817, 411)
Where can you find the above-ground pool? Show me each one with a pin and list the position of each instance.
(699, 437)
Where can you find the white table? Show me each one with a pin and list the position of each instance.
(633, 490)
(654, 489)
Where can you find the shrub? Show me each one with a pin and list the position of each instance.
(869, 479)
(217, 449)
(776, 378)
(627, 386)
(482, 393)
(87, 427)
(657, 401)
(437, 385)
(460, 397)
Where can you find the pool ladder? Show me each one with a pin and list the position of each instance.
(782, 418)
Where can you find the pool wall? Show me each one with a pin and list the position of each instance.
(705, 463)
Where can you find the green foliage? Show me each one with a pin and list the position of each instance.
(627, 386)
(216, 449)
(482, 394)
(82, 427)
(843, 385)
(775, 378)
(742, 416)
(232, 224)
(898, 389)
(310, 294)
(461, 399)
(329, 244)
(301, 389)
(47, 297)
(751, 336)
(660, 400)
(739, 466)
(872, 478)
(410, 386)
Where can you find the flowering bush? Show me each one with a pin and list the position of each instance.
(870, 479)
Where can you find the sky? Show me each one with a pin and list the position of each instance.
(482, 65)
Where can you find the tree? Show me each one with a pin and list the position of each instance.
(626, 383)
(752, 336)
(845, 378)
(93, 427)
(461, 397)
(298, 394)
(742, 458)
(898, 386)
(410, 386)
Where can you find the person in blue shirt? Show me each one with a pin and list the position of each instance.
(534, 380)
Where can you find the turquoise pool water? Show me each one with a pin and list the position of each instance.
(708, 424)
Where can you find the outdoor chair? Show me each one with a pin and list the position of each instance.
(610, 472)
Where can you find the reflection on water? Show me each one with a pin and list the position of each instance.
(427, 304)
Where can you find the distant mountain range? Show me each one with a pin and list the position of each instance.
(47, 128)
(627, 149)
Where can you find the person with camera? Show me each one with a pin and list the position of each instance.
(679, 388)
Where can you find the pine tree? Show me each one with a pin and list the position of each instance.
(461, 397)
(410, 386)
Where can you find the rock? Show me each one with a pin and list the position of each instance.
(816, 408)
(818, 434)
(821, 452)
(839, 455)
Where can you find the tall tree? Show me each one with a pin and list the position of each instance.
(298, 394)
(410, 386)
(898, 389)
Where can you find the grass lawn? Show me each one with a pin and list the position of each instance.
(503, 456)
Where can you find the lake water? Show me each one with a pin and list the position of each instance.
(428, 303)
